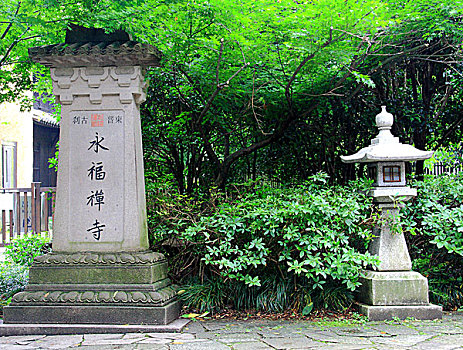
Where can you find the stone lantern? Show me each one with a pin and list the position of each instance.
(392, 289)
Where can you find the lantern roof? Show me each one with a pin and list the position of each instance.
(385, 147)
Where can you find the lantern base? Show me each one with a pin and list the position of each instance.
(382, 313)
(385, 295)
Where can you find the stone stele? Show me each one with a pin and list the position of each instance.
(100, 270)
(392, 290)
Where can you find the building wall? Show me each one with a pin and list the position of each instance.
(17, 126)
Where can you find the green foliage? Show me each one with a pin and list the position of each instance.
(308, 231)
(275, 294)
(22, 251)
(435, 222)
(264, 248)
(13, 279)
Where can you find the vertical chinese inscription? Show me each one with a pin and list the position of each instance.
(97, 175)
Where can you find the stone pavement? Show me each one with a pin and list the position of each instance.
(446, 334)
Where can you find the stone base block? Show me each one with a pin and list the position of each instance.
(135, 315)
(96, 288)
(393, 288)
(381, 313)
(62, 329)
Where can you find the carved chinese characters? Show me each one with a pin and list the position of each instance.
(97, 180)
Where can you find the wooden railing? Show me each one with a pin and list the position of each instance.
(22, 220)
(442, 168)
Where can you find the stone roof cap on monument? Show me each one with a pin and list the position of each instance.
(385, 147)
(85, 47)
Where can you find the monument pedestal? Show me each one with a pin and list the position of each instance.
(101, 288)
(388, 294)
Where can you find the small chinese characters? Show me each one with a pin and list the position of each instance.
(97, 120)
(114, 119)
(79, 120)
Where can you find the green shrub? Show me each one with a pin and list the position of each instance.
(274, 249)
(269, 248)
(434, 221)
(311, 231)
(22, 251)
(13, 279)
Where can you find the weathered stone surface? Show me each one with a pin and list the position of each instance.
(203, 345)
(57, 329)
(251, 345)
(100, 270)
(405, 340)
(395, 329)
(332, 337)
(389, 245)
(116, 315)
(59, 341)
(436, 336)
(96, 258)
(443, 342)
(358, 332)
(381, 313)
(292, 343)
(86, 298)
(131, 274)
(237, 338)
(393, 288)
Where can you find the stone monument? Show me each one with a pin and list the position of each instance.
(100, 270)
(392, 290)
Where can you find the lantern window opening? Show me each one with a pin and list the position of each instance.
(372, 173)
(391, 174)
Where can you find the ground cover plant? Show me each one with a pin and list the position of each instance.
(14, 271)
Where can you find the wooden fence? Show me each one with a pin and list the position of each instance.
(32, 209)
(442, 168)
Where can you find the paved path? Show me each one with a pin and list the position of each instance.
(249, 335)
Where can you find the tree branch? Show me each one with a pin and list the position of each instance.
(7, 29)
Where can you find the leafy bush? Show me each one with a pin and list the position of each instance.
(14, 273)
(22, 251)
(13, 279)
(307, 231)
(269, 248)
(434, 220)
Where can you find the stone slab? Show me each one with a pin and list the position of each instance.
(382, 313)
(393, 288)
(88, 274)
(92, 314)
(62, 329)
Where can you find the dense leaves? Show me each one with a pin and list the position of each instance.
(14, 272)
(314, 231)
(307, 243)
(435, 221)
